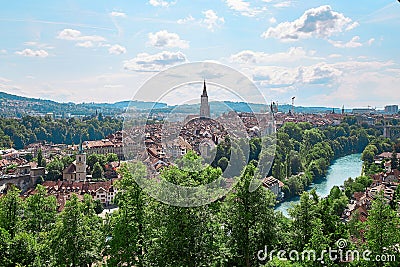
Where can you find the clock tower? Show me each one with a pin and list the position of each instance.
(80, 165)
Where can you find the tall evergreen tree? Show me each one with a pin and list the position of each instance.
(382, 231)
(394, 162)
(185, 236)
(40, 160)
(98, 172)
(303, 214)
(11, 211)
(127, 244)
(249, 220)
(77, 239)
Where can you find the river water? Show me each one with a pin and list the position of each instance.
(340, 170)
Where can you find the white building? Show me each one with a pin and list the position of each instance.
(274, 185)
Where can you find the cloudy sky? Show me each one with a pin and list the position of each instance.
(326, 53)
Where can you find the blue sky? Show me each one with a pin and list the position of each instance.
(328, 53)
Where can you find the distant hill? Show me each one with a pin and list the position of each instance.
(18, 106)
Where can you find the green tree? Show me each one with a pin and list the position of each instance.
(54, 170)
(98, 206)
(293, 130)
(67, 160)
(23, 251)
(369, 153)
(185, 236)
(394, 162)
(223, 163)
(92, 159)
(255, 148)
(382, 232)
(128, 243)
(303, 215)
(40, 211)
(40, 160)
(98, 172)
(111, 157)
(5, 241)
(250, 222)
(77, 239)
(11, 211)
(295, 162)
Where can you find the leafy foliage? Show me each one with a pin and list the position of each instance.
(20, 132)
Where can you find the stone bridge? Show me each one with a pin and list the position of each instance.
(390, 131)
(22, 182)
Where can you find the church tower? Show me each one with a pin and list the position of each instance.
(80, 165)
(204, 107)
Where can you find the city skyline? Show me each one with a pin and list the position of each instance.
(325, 54)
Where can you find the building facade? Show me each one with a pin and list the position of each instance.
(112, 144)
(392, 109)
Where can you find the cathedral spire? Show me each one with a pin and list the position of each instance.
(204, 106)
(80, 146)
(204, 89)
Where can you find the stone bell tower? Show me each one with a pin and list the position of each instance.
(204, 107)
(80, 165)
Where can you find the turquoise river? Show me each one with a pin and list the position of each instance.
(339, 171)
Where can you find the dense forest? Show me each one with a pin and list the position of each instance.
(18, 133)
(241, 229)
(304, 153)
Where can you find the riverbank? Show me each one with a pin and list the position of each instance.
(340, 170)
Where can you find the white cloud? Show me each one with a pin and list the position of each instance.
(86, 44)
(75, 35)
(4, 80)
(32, 53)
(283, 4)
(118, 14)
(327, 74)
(334, 56)
(278, 76)
(320, 73)
(38, 45)
(353, 43)
(362, 88)
(316, 22)
(69, 34)
(103, 45)
(164, 39)
(113, 86)
(3, 51)
(272, 20)
(211, 20)
(371, 41)
(155, 62)
(185, 20)
(161, 3)
(252, 57)
(352, 26)
(117, 50)
(243, 7)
